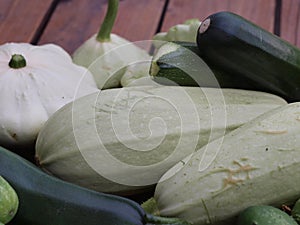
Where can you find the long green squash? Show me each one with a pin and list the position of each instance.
(121, 140)
(256, 164)
(46, 200)
(248, 52)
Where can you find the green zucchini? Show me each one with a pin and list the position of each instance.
(258, 163)
(179, 63)
(111, 140)
(264, 215)
(46, 200)
(169, 62)
(250, 53)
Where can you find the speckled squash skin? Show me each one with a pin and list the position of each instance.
(258, 163)
(9, 201)
(264, 215)
(123, 140)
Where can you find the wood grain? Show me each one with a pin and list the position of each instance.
(258, 11)
(75, 21)
(290, 21)
(21, 21)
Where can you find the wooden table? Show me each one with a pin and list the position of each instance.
(70, 22)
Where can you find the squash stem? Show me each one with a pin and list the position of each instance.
(17, 61)
(150, 206)
(108, 22)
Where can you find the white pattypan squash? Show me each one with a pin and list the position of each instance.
(35, 81)
(180, 32)
(138, 75)
(107, 55)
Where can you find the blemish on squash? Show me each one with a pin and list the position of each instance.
(13, 135)
(230, 180)
(207, 212)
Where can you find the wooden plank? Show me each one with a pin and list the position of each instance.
(20, 21)
(180, 10)
(290, 21)
(75, 21)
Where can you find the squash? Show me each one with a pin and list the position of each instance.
(186, 32)
(244, 51)
(107, 54)
(9, 201)
(35, 81)
(122, 140)
(138, 75)
(264, 214)
(256, 164)
(46, 200)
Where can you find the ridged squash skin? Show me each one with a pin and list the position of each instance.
(121, 140)
(30, 94)
(256, 164)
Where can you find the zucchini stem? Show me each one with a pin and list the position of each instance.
(108, 22)
(17, 61)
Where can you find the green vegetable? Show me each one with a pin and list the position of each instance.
(296, 211)
(181, 32)
(246, 167)
(179, 63)
(46, 200)
(264, 215)
(170, 61)
(246, 51)
(107, 55)
(123, 139)
(9, 201)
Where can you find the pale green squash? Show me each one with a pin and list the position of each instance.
(256, 164)
(124, 139)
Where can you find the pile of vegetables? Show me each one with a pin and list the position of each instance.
(209, 125)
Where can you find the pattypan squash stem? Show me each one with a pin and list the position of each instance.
(108, 22)
(17, 61)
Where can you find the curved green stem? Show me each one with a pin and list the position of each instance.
(17, 61)
(108, 22)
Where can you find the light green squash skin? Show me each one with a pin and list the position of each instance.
(258, 163)
(9, 201)
(121, 140)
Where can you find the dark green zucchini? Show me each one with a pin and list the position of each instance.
(246, 51)
(169, 61)
(46, 200)
(179, 63)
